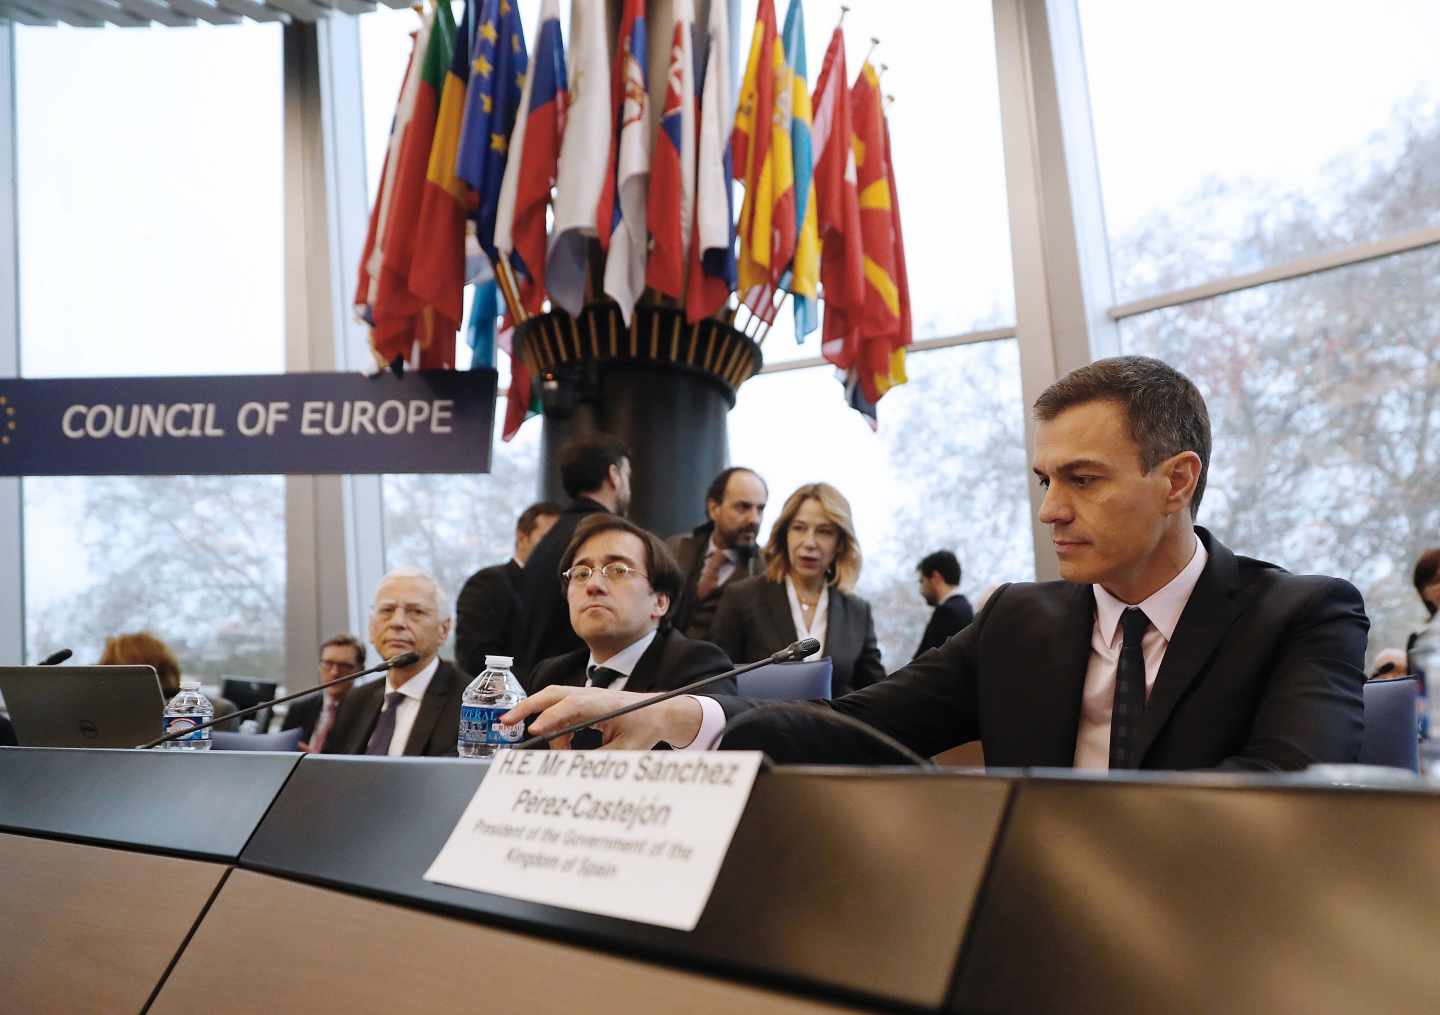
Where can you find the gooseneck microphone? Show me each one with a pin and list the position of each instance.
(394, 662)
(788, 654)
(56, 658)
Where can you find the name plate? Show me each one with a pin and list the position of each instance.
(633, 834)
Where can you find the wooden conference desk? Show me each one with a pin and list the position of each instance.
(843, 890)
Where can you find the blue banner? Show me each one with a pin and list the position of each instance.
(289, 424)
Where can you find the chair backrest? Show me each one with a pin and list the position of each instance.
(1391, 732)
(804, 681)
(288, 740)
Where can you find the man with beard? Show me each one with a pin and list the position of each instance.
(723, 548)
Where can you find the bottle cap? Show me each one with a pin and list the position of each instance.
(189, 685)
(505, 661)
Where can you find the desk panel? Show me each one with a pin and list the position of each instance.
(90, 929)
(325, 951)
(200, 803)
(857, 883)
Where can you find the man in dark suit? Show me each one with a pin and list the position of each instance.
(487, 613)
(940, 588)
(595, 472)
(619, 583)
(315, 716)
(722, 549)
(414, 710)
(1160, 649)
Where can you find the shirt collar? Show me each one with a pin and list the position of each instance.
(714, 547)
(1162, 608)
(415, 686)
(624, 661)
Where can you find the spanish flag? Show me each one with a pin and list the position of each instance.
(761, 145)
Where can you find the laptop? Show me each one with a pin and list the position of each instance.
(83, 706)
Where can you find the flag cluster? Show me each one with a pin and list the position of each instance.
(509, 170)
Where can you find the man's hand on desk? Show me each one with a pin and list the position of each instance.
(675, 721)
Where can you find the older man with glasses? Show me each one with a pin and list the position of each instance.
(619, 582)
(415, 710)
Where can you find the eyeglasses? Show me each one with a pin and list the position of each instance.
(613, 571)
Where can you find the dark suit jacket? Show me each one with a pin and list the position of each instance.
(671, 661)
(544, 614)
(305, 713)
(1264, 673)
(436, 729)
(754, 621)
(691, 614)
(950, 617)
(486, 615)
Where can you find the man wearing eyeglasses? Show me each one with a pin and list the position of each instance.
(619, 582)
(415, 710)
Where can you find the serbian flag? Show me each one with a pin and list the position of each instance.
(534, 156)
(437, 271)
(498, 61)
(580, 185)
(672, 174)
(837, 205)
(712, 246)
(625, 259)
(805, 270)
(404, 321)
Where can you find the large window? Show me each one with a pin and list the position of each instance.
(151, 231)
(946, 470)
(1273, 132)
(1324, 397)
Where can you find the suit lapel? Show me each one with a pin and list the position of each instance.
(430, 705)
(1207, 616)
(367, 713)
(837, 626)
(647, 669)
(777, 615)
(1070, 662)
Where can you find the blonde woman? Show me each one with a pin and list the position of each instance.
(812, 562)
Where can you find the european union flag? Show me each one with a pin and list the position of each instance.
(498, 63)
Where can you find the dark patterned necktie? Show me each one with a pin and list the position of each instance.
(710, 574)
(603, 676)
(385, 725)
(1129, 691)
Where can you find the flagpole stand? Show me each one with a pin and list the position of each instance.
(661, 384)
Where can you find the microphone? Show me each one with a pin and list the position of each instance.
(402, 660)
(56, 658)
(788, 654)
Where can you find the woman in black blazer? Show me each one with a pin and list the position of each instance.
(812, 563)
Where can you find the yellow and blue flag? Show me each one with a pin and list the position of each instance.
(805, 270)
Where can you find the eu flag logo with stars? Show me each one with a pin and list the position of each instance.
(498, 64)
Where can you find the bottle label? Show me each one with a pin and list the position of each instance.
(177, 723)
(481, 725)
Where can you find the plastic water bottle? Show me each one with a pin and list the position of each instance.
(1425, 663)
(185, 711)
(489, 696)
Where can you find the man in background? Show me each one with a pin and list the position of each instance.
(940, 588)
(487, 613)
(415, 709)
(725, 547)
(315, 715)
(595, 473)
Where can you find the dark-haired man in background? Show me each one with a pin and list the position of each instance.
(723, 548)
(595, 472)
(315, 715)
(487, 611)
(1159, 649)
(620, 582)
(940, 588)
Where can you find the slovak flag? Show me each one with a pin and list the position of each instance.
(534, 157)
(672, 184)
(580, 180)
(712, 267)
(625, 262)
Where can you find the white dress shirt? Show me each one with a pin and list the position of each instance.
(819, 625)
(727, 566)
(409, 706)
(623, 662)
(1162, 609)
